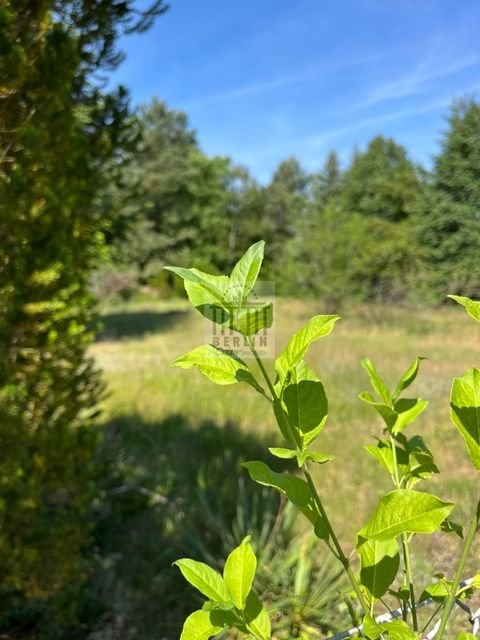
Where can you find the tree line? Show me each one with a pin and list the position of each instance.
(380, 228)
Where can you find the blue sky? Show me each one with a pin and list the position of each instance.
(262, 80)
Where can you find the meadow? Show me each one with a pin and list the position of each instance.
(164, 428)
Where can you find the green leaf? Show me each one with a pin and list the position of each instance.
(395, 630)
(305, 402)
(207, 293)
(217, 365)
(407, 409)
(380, 560)
(204, 578)
(384, 456)
(438, 591)
(245, 274)
(406, 511)
(257, 618)
(402, 414)
(206, 304)
(296, 490)
(239, 572)
(198, 626)
(281, 452)
(408, 377)
(252, 319)
(472, 307)
(317, 327)
(452, 527)
(313, 456)
(302, 456)
(387, 413)
(465, 411)
(466, 636)
(376, 381)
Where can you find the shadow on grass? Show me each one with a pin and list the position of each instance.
(169, 490)
(135, 324)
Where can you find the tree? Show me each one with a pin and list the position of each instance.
(354, 257)
(181, 204)
(61, 138)
(286, 201)
(382, 182)
(449, 213)
(327, 184)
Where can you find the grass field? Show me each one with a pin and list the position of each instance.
(159, 412)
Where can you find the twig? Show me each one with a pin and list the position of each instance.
(397, 613)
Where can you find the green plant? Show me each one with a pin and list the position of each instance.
(300, 406)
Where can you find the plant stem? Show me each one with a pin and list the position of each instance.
(458, 574)
(340, 555)
(336, 543)
(405, 547)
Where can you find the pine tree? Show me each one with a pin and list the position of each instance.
(449, 214)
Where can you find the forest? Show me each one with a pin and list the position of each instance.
(97, 196)
(380, 229)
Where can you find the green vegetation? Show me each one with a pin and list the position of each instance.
(379, 229)
(300, 407)
(111, 467)
(61, 139)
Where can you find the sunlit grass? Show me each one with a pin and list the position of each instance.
(141, 339)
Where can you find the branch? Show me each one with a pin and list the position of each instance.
(397, 613)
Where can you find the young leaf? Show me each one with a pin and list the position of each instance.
(395, 630)
(408, 377)
(388, 414)
(465, 411)
(306, 403)
(250, 320)
(380, 560)
(406, 511)
(438, 591)
(198, 626)
(313, 456)
(407, 409)
(257, 618)
(302, 456)
(452, 527)
(376, 381)
(245, 273)
(403, 412)
(239, 572)
(281, 452)
(384, 456)
(317, 327)
(217, 365)
(296, 490)
(472, 307)
(205, 579)
(215, 286)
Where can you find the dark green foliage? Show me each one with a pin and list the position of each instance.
(286, 200)
(328, 183)
(381, 182)
(448, 218)
(355, 257)
(180, 202)
(60, 139)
